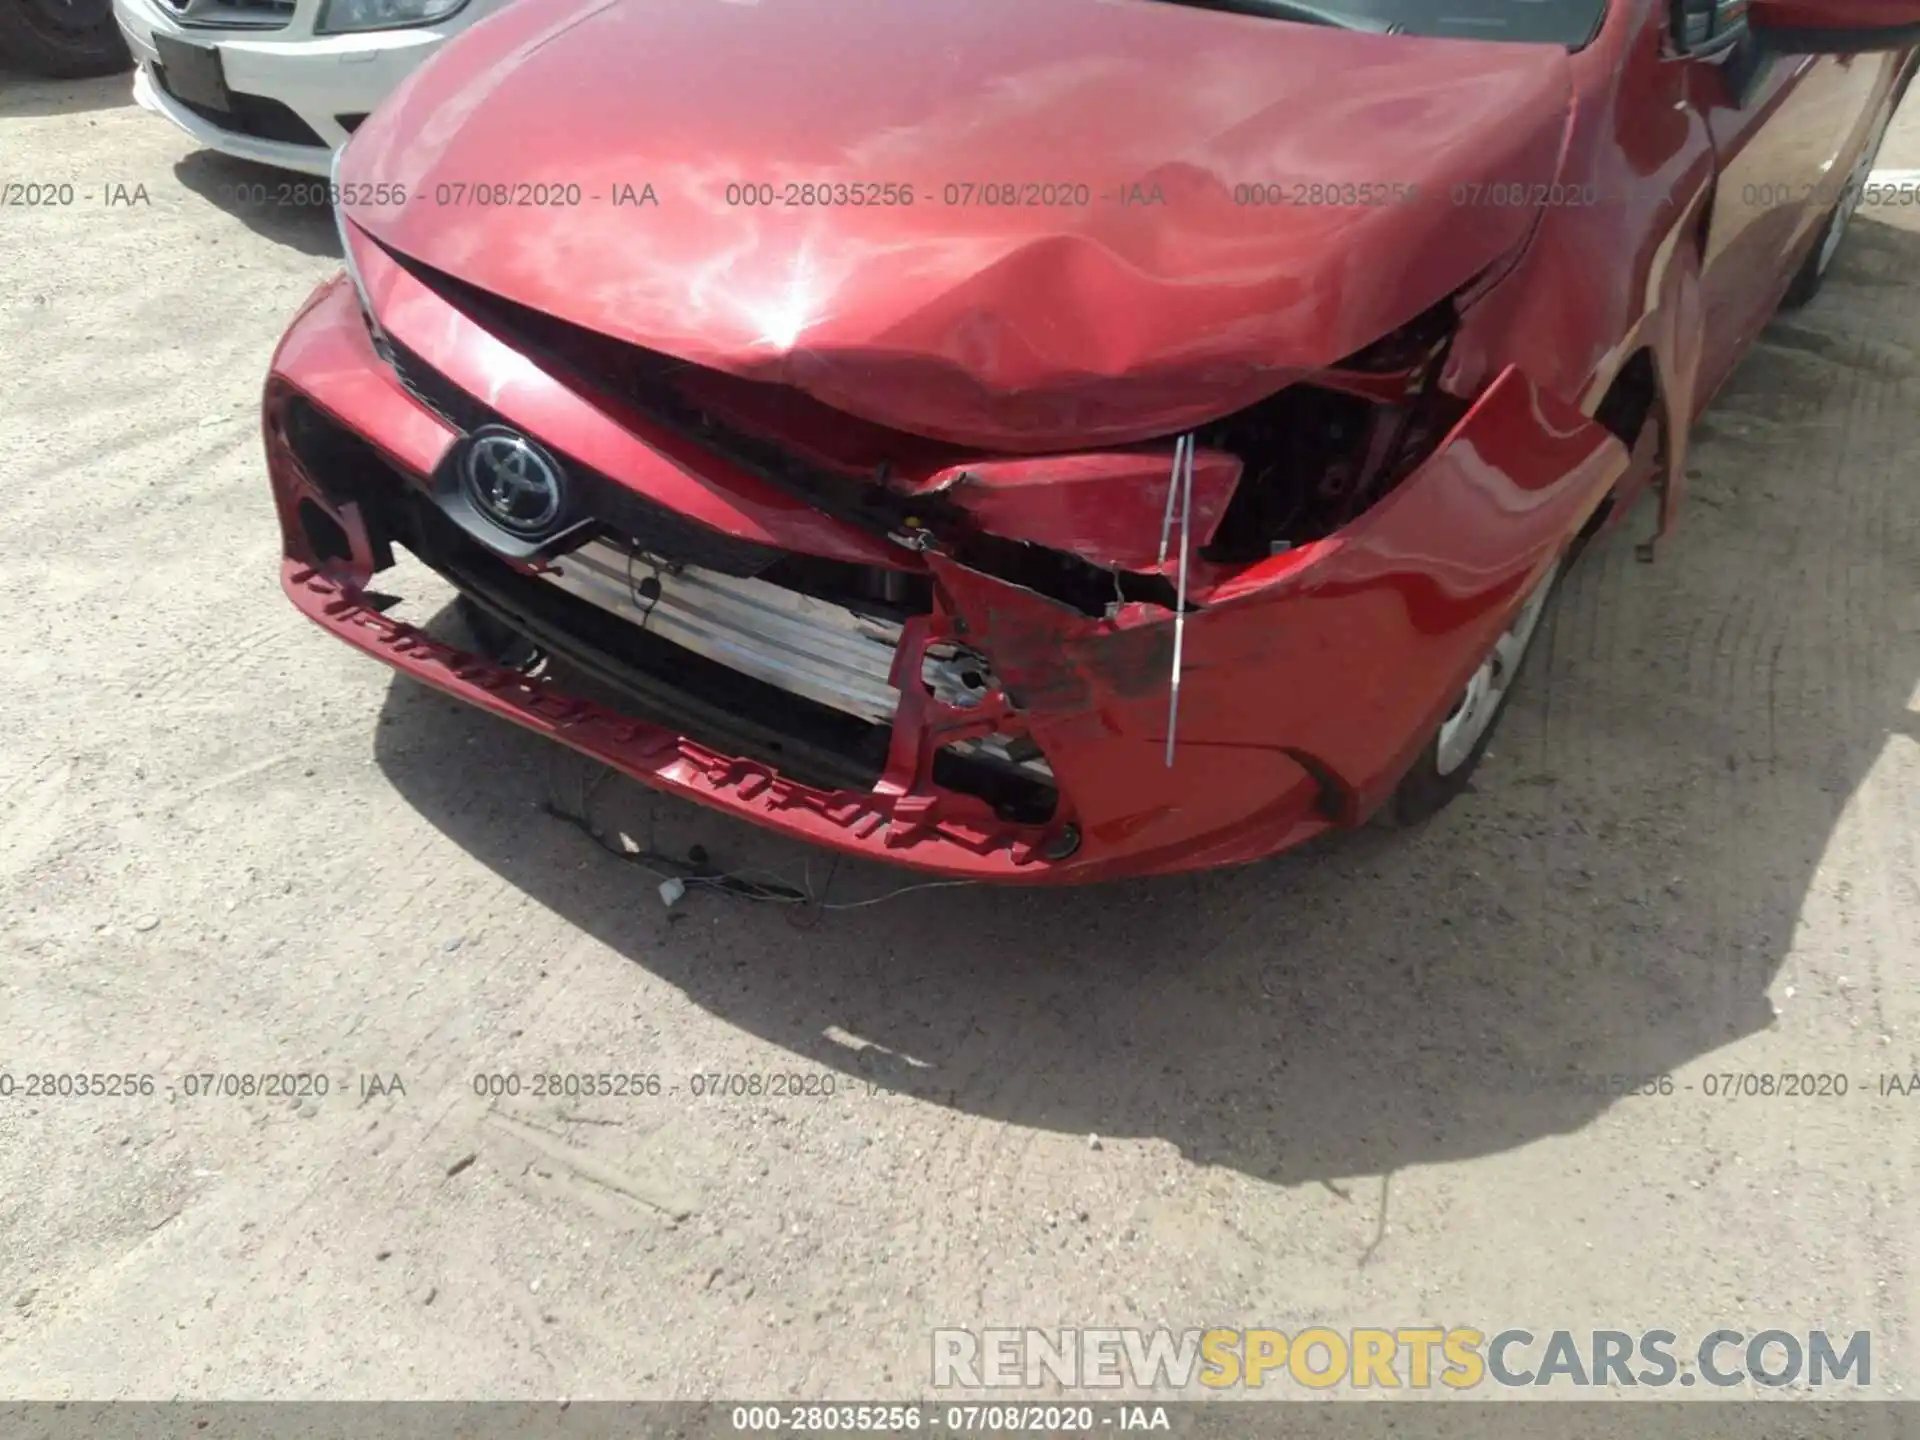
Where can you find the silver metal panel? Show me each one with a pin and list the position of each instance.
(806, 646)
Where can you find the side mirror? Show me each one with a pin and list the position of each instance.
(1709, 29)
(1834, 27)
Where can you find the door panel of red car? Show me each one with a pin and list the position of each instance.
(1783, 156)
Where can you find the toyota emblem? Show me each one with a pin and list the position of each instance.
(513, 482)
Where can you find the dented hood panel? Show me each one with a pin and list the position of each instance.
(1026, 326)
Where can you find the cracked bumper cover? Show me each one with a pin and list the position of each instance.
(1311, 680)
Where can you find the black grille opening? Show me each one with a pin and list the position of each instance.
(655, 679)
(349, 123)
(870, 589)
(325, 538)
(219, 14)
(439, 394)
(709, 703)
(345, 467)
(1017, 796)
(253, 115)
(650, 677)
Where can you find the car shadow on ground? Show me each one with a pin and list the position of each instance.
(283, 206)
(1615, 899)
(32, 96)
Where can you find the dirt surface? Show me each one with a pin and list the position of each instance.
(229, 844)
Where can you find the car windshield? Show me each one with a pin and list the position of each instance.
(1546, 22)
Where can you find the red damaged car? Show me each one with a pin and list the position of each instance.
(1044, 440)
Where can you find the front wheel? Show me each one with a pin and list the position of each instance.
(1813, 271)
(1448, 762)
(63, 39)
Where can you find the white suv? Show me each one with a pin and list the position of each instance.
(283, 82)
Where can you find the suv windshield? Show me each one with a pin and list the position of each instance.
(1571, 23)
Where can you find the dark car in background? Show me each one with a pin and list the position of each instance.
(62, 39)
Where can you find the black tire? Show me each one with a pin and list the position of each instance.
(1427, 789)
(1812, 274)
(63, 41)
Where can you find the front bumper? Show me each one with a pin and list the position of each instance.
(295, 87)
(1309, 684)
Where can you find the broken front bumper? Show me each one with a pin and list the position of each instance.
(1310, 680)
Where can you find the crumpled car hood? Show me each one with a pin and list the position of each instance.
(986, 312)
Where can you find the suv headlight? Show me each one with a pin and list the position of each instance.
(339, 17)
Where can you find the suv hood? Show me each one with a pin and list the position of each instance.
(576, 156)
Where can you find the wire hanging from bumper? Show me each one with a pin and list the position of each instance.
(1180, 488)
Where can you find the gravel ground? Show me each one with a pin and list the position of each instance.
(228, 844)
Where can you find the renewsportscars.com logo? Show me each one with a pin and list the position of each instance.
(1406, 1357)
